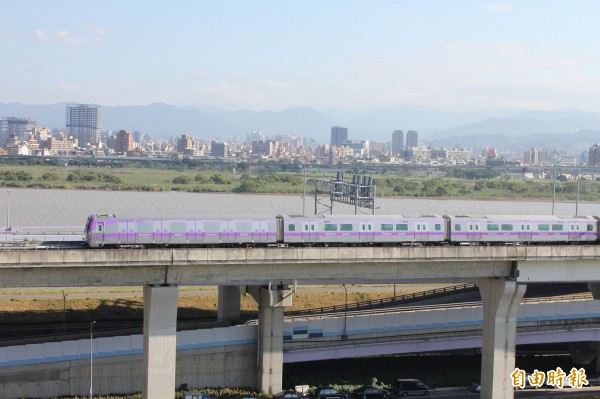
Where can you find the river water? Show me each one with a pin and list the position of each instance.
(37, 207)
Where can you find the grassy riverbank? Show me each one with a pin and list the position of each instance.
(250, 181)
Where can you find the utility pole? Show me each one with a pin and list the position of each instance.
(554, 190)
(92, 357)
(8, 209)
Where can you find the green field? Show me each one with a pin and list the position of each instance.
(269, 180)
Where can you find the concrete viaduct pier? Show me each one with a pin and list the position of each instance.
(269, 274)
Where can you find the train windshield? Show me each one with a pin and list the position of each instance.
(87, 225)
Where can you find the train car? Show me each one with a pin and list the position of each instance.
(522, 229)
(110, 231)
(362, 229)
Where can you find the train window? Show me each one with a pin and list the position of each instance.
(522, 227)
(181, 228)
(305, 227)
(402, 227)
(145, 227)
(370, 227)
(100, 227)
(493, 227)
(212, 227)
(363, 227)
(291, 227)
(543, 227)
(457, 227)
(470, 227)
(387, 227)
(476, 227)
(507, 227)
(438, 227)
(312, 227)
(590, 227)
(557, 227)
(346, 227)
(330, 227)
(418, 227)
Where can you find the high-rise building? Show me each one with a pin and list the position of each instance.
(83, 122)
(124, 142)
(218, 149)
(339, 135)
(534, 156)
(266, 147)
(397, 142)
(15, 127)
(594, 157)
(412, 139)
(184, 143)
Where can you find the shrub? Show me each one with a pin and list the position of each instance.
(182, 180)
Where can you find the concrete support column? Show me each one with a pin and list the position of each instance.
(160, 341)
(229, 303)
(501, 300)
(595, 346)
(271, 305)
(594, 289)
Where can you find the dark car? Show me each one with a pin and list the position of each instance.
(287, 395)
(475, 387)
(369, 392)
(196, 395)
(410, 387)
(328, 393)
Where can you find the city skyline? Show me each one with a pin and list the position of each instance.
(535, 55)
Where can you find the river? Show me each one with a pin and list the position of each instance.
(38, 207)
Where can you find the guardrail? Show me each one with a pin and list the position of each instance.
(390, 301)
(26, 230)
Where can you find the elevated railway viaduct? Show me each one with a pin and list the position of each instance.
(269, 274)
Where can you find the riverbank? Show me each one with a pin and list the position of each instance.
(261, 182)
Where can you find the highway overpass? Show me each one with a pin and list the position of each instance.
(270, 275)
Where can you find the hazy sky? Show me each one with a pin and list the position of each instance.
(537, 54)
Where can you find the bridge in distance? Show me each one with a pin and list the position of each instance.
(270, 274)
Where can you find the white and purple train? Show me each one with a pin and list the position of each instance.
(109, 231)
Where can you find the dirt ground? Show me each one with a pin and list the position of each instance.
(27, 305)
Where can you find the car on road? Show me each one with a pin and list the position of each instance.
(328, 393)
(196, 395)
(369, 392)
(287, 395)
(410, 387)
(475, 387)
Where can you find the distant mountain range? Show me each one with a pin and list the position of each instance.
(570, 130)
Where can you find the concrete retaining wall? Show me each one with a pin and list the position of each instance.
(218, 366)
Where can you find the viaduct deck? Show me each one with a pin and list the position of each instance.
(321, 265)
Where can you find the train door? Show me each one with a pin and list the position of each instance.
(365, 231)
(574, 231)
(525, 233)
(473, 230)
(100, 234)
(308, 231)
(422, 231)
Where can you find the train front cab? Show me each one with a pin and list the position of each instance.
(95, 230)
